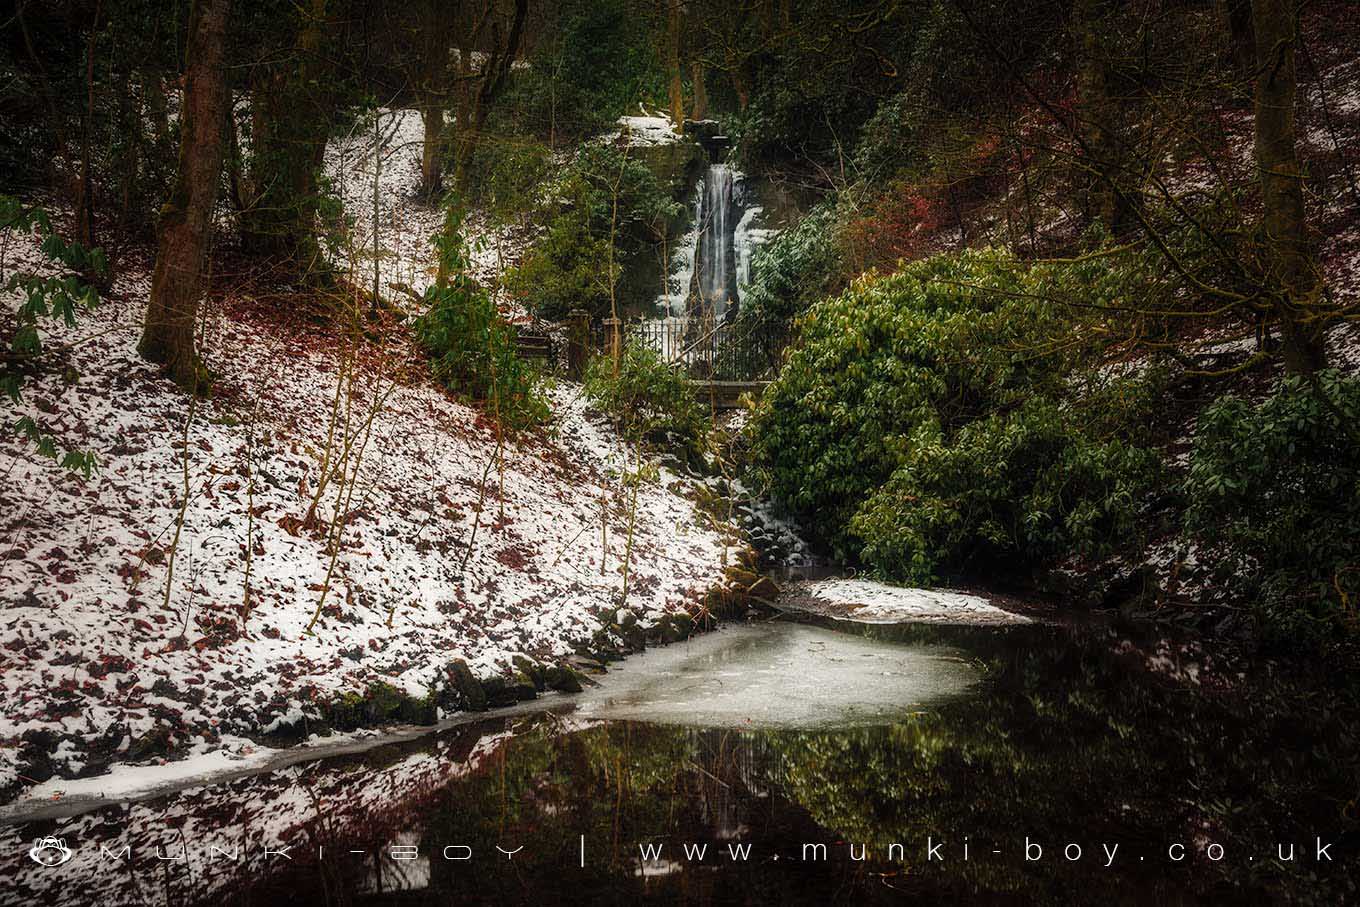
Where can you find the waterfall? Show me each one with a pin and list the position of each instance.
(746, 238)
(711, 263)
(674, 300)
(715, 270)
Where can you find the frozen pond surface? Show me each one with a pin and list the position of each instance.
(780, 675)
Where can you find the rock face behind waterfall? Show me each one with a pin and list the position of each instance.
(715, 267)
(673, 159)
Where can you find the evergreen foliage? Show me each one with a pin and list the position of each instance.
(646, 398)
(471, 348)
(920, 422)
(1273, 497)
(56, 297)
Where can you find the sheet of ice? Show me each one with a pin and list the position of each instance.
(779, 675)
(132, 781)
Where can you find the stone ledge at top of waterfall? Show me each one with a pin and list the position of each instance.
(869, 602)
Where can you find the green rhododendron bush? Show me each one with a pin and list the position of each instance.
(1273, 497)
(646, 398)
(471, 348)
(952, 412)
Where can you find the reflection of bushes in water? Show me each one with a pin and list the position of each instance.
(1069, 747)
(1064, 744)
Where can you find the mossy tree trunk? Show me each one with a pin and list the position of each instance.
(1291, 274)
(1098, 115)
(486, 88)
(700, 92)
(185, 223)
(676, 86)
(431, 164)
(432, 80)
(291, 117)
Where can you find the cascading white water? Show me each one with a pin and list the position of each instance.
(711, 263)
(715, 260)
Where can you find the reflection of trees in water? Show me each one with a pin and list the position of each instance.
(1064, 743)
(1071, 743)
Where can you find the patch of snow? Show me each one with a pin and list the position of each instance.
(641, 131)
(866, 601)
(126, 782)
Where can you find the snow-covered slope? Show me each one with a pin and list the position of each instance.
(100, 644)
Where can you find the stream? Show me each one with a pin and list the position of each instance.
(782, 761)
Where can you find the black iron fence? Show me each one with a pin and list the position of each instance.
(705, 349)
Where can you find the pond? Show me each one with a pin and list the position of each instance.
(787, 763)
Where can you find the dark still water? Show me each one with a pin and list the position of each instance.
(785, 764)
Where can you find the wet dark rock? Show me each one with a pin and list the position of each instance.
(472, 694)
(158, 741)
(563, 679)
(531, 669)
(35, 761)
(501, 692)
(671, 628)
(741, 578)
(587, 663)
(764, 588)
(523, 687)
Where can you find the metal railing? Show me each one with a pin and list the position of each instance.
(711, 350)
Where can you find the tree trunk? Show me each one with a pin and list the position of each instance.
(739, 83)
(291, 115)
(156, 108)
(431, 165)
(700, 93)
(436, 27)
(1098, 115)
(677, 87)
(186, 220)
(1291, 275)
(488, 88)
(85, 193)
(743, 93)
(1236, 16)
(130, 123)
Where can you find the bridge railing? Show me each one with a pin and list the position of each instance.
(709, 350)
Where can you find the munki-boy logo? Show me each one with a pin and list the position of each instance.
(49, 851)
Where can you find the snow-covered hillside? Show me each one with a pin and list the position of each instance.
(101, 646)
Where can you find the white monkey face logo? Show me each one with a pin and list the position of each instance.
(49, 851)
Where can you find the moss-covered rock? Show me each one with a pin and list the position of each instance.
(500, 692)
(674, 164)
(470, 691)
(523, 687)
(531, 669)
(764, 588)
(563, 679)
(157, 742)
